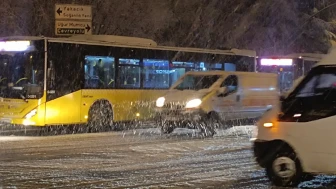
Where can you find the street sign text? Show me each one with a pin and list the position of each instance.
(73, 27)
(73, 12)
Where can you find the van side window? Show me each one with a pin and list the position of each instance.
(231, 84)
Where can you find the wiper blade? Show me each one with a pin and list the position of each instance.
(23, 97)
(18, 89)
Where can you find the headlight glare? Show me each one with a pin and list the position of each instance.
(160, 102)
(268, 124)
(31, 114)
(194, 103)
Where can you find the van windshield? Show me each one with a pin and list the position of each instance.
(197, 82)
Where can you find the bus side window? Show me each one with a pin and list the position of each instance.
(156, 73)
(129, 73)
(99, 72)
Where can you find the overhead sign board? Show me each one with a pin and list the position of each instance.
(73, 27)
(73, 12)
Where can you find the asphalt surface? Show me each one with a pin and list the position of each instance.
(141, 158)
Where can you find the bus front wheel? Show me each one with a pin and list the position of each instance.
(100, 117)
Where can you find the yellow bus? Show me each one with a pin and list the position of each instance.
(96, 80)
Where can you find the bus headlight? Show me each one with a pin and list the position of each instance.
(194, 103)
(31, 114)
(160, 102)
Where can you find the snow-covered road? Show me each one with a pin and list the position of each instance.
(141, 158)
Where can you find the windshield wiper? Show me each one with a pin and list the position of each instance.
(23, 97)
(19, 90)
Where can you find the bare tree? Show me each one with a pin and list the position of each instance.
(268, 26)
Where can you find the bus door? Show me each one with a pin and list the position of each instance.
(63, 94)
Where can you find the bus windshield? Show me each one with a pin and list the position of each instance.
(197, 82)
(21, 75)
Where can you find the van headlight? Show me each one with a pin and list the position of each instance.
(31, 114)
(194, 103)
(160, 102)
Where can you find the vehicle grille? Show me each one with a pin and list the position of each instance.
(174, 106)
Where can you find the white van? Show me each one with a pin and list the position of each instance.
(300, 136)
(201, 99)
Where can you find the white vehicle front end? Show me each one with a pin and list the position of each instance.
(188, 103)
(181, 106)
(299, 137)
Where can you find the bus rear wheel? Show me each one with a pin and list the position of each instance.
(100, 117)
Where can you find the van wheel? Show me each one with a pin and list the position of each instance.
(215, 120)
(207, 130)
(166, 127)
(284, 169)
(100, 117)
(210, 123)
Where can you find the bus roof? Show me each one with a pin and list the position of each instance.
(124, 41)
(218, 72)
(329, 59)
(305, 56)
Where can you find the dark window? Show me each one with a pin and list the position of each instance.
(314, 98)
(65, 69)
(231, 84)
(99, 72)
(156, 73)
(318, 85)
(308, 89)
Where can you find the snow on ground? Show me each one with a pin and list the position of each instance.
(140, 158)
(247, 130)
(237, 131)
(15, 138)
